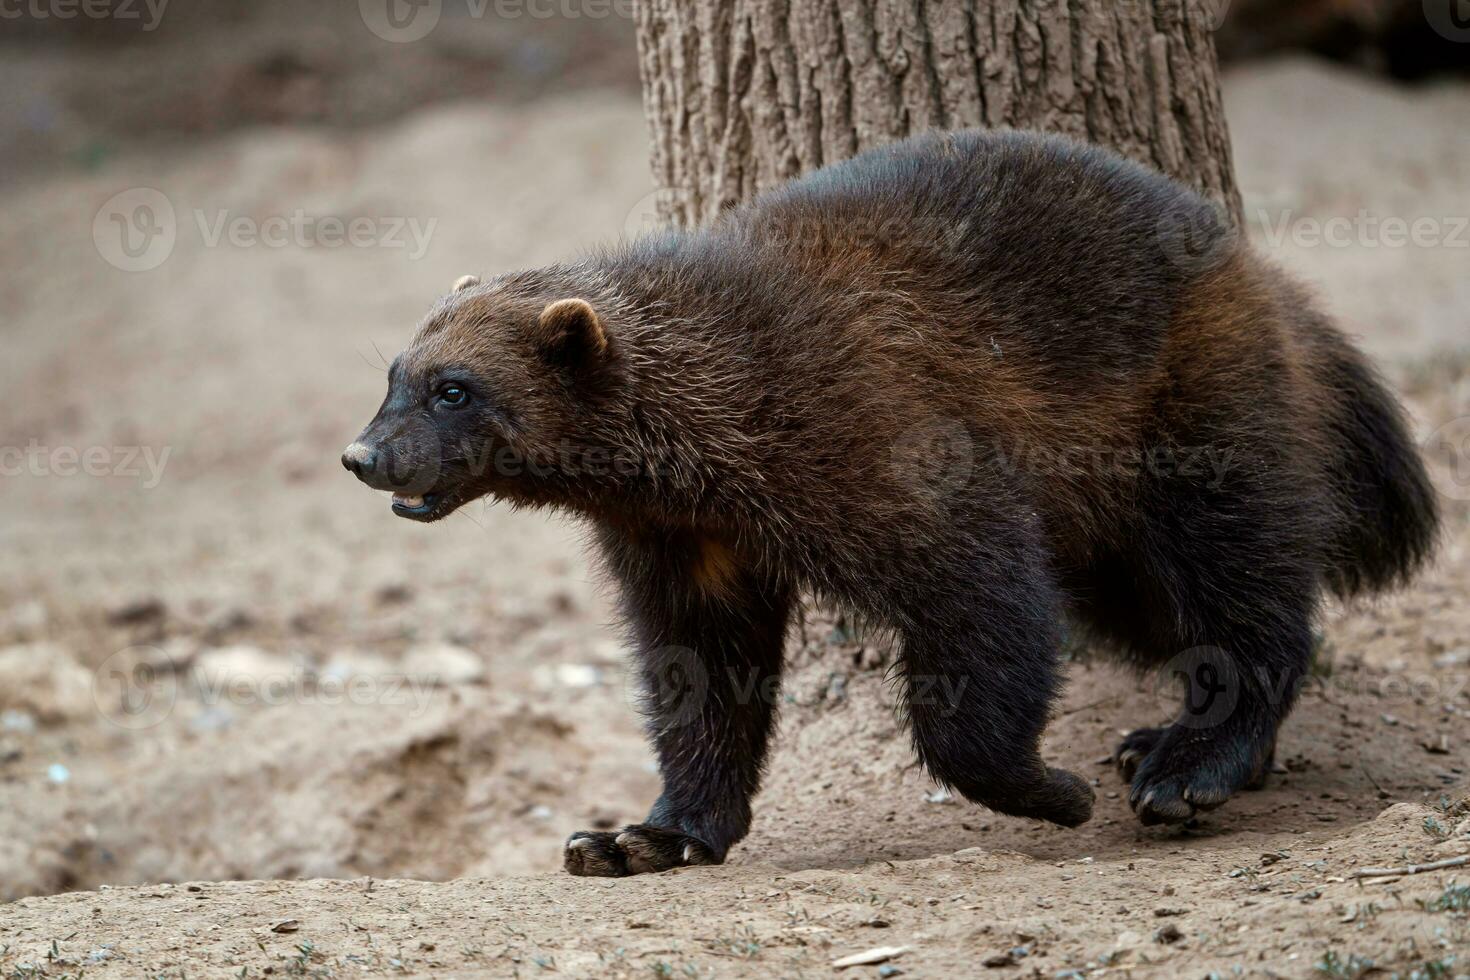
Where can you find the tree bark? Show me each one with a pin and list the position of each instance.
(743, 94)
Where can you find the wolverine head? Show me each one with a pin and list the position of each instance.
(496, 378)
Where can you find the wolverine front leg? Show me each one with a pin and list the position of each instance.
(707, 634)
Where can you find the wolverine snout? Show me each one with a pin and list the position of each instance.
(360, 459)
(408, 462)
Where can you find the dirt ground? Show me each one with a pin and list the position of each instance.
(251, 723)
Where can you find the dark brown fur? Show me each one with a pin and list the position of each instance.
(970, 386)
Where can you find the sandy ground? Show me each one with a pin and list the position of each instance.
(230, 663)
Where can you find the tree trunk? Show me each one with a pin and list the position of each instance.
(743, 94)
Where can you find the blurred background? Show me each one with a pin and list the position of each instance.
(221, 657)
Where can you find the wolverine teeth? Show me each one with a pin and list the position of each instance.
(404, 500)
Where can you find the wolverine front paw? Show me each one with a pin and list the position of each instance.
(1134, 748)
(1177, 773)
(636, 849)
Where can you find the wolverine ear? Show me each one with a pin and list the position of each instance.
(465, 282)
(571, 326)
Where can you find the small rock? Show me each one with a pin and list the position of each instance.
(1455, 658)
(214, 718)
(393, 594)
(1164, 912)
(1437, 746)
(347, 664)
(44, 681)
(238, 672)
(444, 664)
(578, 675)
(602, 819)
(18, 721)
(942, 795)
(26, 619)
(137, 612)
(997, 960)
(230, 619)
(286, 925)
(1168, 935)
(871, 957)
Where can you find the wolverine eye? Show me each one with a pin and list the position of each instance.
(453, 395)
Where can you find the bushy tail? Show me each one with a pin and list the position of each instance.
(1387, 513)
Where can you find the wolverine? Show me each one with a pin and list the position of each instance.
(970, 387)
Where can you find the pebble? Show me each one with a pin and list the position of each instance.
(221, 667)
(45, 682)
(1455, 658)
(444, 664)
(18, 721)
(135, 612)
(871, 957)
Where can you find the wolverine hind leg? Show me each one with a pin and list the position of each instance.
(977, 616)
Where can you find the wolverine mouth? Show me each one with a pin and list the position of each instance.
(415, 507)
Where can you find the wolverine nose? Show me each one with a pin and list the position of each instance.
(360, 460)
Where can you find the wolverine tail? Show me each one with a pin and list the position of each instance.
(1386, 515)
